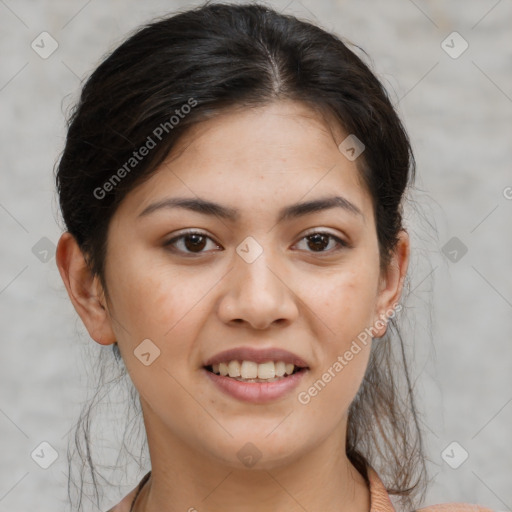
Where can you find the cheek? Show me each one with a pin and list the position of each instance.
(338, 385)
(157, 301)
(345, 305)
(140, 294)
(346, 301)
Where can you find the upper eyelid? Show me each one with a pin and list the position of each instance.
(340, 240)
(191, 232)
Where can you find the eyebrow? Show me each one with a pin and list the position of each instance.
(232, 214)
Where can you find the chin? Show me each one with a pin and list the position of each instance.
(259, 454)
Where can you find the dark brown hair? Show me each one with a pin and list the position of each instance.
(180, 70)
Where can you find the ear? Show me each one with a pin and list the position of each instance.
(84, 290)
(391, 284)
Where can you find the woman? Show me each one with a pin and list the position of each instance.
(232, 187)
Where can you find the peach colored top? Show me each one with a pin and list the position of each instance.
(379, 498)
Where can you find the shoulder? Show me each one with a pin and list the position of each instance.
(455, 507)
(125, 504)
(381, 500)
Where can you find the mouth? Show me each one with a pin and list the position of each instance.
(251, 372)
(256, 376)
(251, 388)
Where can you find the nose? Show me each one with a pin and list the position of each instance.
(258, 294)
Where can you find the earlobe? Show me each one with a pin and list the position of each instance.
(84, 290)
(391, 284)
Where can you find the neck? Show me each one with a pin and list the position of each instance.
(184, 480)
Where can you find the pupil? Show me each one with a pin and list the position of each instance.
(318, 239)
(196, 242)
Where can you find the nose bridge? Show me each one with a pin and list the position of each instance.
(255, 271)
(257, 293)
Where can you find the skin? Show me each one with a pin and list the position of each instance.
(194, 305)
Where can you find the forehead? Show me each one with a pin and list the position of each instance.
(281, 130)
(275, 154)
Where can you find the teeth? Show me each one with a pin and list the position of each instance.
(248, 370)
(267, 370)
(251, 370)
(234, 369)
(280, 369)
(223, 369)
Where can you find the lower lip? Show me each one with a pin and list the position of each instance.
(256, 392)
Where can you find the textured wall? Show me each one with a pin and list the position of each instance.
(457, 108)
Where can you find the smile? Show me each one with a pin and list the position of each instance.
(250, 371)
(254, 389)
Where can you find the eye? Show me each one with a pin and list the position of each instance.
(194, 242)
(190, 242)
(320, 240)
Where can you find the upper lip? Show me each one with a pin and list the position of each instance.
(256, 355)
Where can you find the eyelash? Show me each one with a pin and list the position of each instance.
(341, 243)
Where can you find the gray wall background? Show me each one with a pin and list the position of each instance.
(458, 111)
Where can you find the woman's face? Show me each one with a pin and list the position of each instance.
(306, 282)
